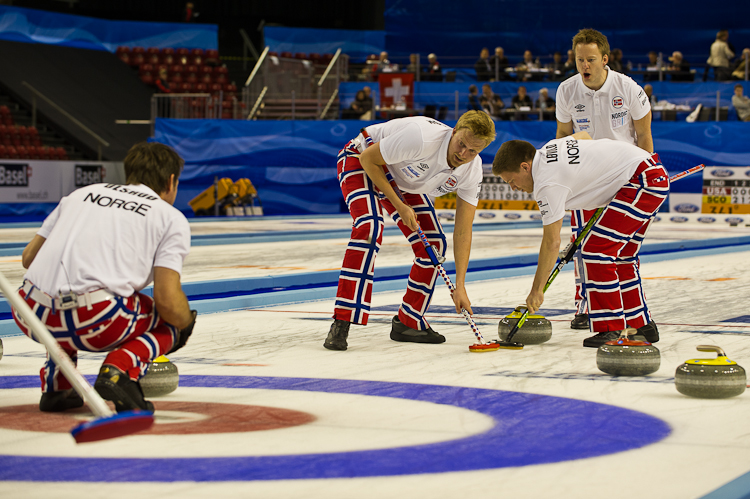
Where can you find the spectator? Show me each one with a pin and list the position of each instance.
(615, 61)
(741, 103)
(383, 65)
(360, 108)
(483, 68)
(433, 71)
(679, 69)
(473, 104)
(556, 67)
(739, 70)
(650, 93)
(413, 66)
(720, 56)
(545, 102)
(526, 70)
(519, 101)
(653, 67)
(570, 65)
(189, 14)
(499, 63)
(368, 100)
(161, 82)
(491, 102)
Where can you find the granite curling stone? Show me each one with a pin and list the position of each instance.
(710, 378)
(628, 357)
(161, 378)
(535, 330)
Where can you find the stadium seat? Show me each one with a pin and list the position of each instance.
(22, 152)
(167, 51)
(301, 55)
(136, 60)
(146, 68)
(196, 59)
(185, 88)
(220, 78)
(12, 153)
(215, 88)
(200, 88)
(175, 78)
(3, 152)
(122, 50)
(191, 78)
(182, 51)
(61, 153)
(196, 52)
(176, 68)
(138, 50)
(152, 59)
(167, 59)
(221, 70)
(286, 55)
(230, 87)
(147, 78)
(191, 68)
(206, 70)
(152, 50)
(124, 57)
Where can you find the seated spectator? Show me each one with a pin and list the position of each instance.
(570, 65)
(556, 67)
(413, 66)
(473, 104)
(433, 71)
(383, 65)
(653, 67)
(741, 103)
(739, 70)
(720, 55)
(482, 66)
(525, 69)
(368, 100)
(650, 94)
(519, 101)
(679, 69)
(491, 103)
(499, 63)
(615, 61)
(545, 102)
(161, 82)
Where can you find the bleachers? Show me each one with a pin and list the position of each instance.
(19, 141)
(188, 71)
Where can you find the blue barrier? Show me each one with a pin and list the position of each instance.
(36, 26)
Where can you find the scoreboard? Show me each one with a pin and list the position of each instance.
(726, 190)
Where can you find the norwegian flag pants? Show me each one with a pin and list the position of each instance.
(129, 329)
(611, 277)
(366, 204)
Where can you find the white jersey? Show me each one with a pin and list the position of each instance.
(416, 152)
(607, 113)
(572, 174)
(109, 236)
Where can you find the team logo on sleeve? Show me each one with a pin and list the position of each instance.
(580, 108)
(617, 102)
(449, 185)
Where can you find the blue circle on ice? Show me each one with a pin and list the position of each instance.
(529, 429)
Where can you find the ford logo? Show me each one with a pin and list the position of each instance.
(446, 215)
(512, 216)
(678, 220)
(536, 216)
(706, 220)
(734, 220)
(657, 219)
(686, 208)
(486, 214)
(747, 172)
(722, 172)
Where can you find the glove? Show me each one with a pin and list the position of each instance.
(184, 334)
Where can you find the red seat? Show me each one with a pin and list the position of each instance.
(191, 78)
(300, 55)
(147, 78)
(159, 67)
(4, 109)
(220, 78)
(152, 59)
(3, 152)
(275, 54)
(182, 51)
(191, 68)
(122, 50)
(221, 70)
(215, 88)
(206, 70)
(185, 88)
(196, 59)
(175, 78)
(201, 88)
(22, 152)
(146, 68)
(21, 130)
(206, 78)
(212, 56)
(136, 59)
(12, 153)
(138, 50)
(196, 52)
(8, 120)
(124, 57)
(230, 87)
(167, 59)
(61, 153)
(175, 68)
(287, 55)
(152, 50)
(3, 130)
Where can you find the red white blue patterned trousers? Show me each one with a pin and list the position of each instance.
(129, 328)
(611, 278)
(366, 204)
